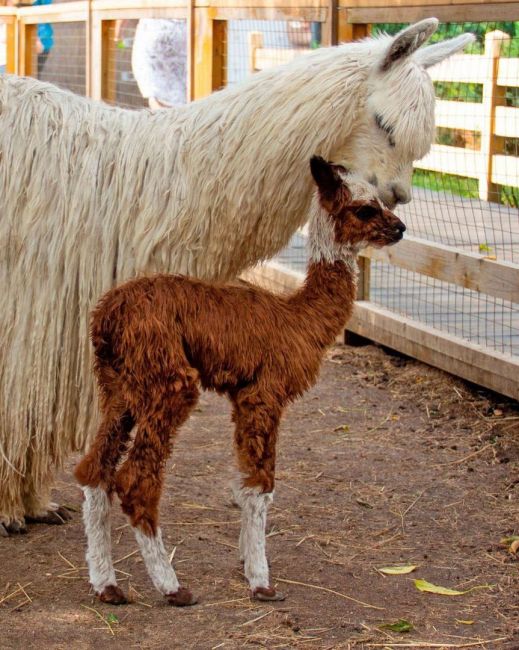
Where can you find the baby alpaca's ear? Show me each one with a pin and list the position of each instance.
(327, 177)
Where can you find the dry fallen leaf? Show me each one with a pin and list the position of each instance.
(398, 570)
(514, 546)
(423, 585)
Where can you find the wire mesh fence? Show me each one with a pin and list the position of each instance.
(448, 207)
(281, 39)
(3, 46)
(466, 191)
(59, 55)
(148, 63)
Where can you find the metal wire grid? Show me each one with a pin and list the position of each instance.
(447, 209)
(65, 63)
(125, 88)
(3, 46)
(277, 35)
(474, 316)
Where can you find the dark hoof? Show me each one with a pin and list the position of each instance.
(182, 598)
(267, 593)
(14, 528)
(113, 595)
(53, 517)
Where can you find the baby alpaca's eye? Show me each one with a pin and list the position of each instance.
(366, 212)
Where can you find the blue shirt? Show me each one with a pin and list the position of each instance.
(45, 31)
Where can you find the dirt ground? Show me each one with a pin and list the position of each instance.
(385, 462)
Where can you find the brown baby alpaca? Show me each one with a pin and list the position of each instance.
(157, 339)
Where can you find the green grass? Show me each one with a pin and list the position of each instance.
(460, 186)
(467, 187)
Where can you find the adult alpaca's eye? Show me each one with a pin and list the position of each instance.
(366, 212)
(388, 129)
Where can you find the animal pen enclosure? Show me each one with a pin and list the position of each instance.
(449, 293)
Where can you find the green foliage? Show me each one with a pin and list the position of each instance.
(467, 187)
(449, 30)
(400, 626)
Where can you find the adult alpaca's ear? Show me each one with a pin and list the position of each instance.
(433, 54)
(408, 41)
(326, 177)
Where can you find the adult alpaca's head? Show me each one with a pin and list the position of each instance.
(395, 125)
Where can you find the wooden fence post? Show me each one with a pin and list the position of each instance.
(88, 51)
(26, 42)
(352, 32)
(492, 96)
(209, 53)
(11, 46)
(108, 62)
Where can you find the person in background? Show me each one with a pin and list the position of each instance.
(44, 33)
(44, 39)
(159, 60)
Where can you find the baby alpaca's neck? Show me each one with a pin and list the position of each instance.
(327, 296)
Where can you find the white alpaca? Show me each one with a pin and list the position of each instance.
(91, 195)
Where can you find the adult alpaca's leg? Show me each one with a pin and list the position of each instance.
(140, 478)
(96, 517)
(12, 520)
(255, 439)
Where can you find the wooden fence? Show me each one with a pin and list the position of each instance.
(342, 20)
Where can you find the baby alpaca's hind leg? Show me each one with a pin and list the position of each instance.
(139, 482)
(96, 516)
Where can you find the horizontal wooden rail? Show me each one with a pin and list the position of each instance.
(458, 356)
(374, 11)
(454, 354)
(470, 270)
(453, 160)
(467, 116)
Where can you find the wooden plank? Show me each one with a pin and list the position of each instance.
(445, 12)
(219, 65)
(191, 40)
(492, 97)
(505, 170)
(483, 366)
(464, 269)
(263, 4)
(108, 5)
(407, 4)
(255, 42)
(274, 277)
(269, 57)
(507, 121)
(462, 68)
(26, 42)
(476, 363)
(210, 53)
(306, 14)
(58, 13)
(7, 15)
(108, 71)
(461, 115)
(96, 70)
(134, 13)
(88, 51)
(11, 63)
(452, 160)
(329, 32)
(508, 72)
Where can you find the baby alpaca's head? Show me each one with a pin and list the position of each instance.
(353, 217)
